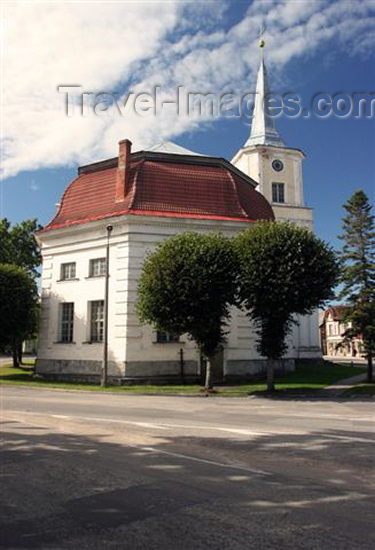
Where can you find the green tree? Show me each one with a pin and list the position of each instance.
(187, 286)
(18, 307)
(284, 270)
(358, 274)
(18, 245)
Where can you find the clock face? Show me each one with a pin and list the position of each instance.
(277, 165)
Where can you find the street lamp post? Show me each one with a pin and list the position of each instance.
(104, 377)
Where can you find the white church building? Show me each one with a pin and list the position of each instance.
(146, 197)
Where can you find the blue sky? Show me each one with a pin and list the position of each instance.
(311, 46)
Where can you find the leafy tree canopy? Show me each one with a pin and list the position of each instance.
(18, 244)
(187, 286)
(284, 270)
(18, 305)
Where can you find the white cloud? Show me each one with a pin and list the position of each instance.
(123, 46)
(34, 186)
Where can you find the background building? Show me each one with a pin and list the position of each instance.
(331, 335)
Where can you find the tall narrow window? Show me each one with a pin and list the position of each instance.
(97, 267)
(97, 321)
(68, 271)
(166, 337)
(278, 192)
(66, 322)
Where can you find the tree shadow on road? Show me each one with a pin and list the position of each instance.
(67, 489)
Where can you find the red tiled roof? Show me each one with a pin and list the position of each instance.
(163, 185)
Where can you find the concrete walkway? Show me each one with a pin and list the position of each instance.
(342, 385)
(8, 360)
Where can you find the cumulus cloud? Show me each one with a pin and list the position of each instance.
(133, 46)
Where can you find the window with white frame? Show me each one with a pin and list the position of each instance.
(166, 337)
(96, 321)
(66, 315)
(68, 271)
(97, 267)
(278, 192)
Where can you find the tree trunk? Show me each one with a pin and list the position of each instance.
(15, 356)
(19, 353)
(270, 375)
(208, 383)
(369, 369)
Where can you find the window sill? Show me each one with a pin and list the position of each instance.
(290, 204)
(67, 280)
(96, 342)
(62, 342)
(95, 277)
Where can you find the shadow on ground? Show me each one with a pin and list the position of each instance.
(65, 490)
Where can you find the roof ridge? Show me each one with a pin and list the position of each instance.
(243, 212)
(135, 183)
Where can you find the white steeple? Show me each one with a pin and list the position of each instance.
(278, 171)
(263, 130)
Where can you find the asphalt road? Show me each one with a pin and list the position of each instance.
(98, 471)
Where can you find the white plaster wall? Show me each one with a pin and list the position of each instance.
(144, 236)
(80, 245)
(128, 341)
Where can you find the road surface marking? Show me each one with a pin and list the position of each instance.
(238, 431)
(202, 460)
(96, 419)
(172, 454)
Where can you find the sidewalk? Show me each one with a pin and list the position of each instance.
(356, 361)
(334, 391)
(342, 385)
(8, 360)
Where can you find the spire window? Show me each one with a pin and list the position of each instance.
(278, 192)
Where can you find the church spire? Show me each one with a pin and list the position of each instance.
(263, 130)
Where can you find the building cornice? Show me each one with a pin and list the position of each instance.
(261, 149)
(97, 230)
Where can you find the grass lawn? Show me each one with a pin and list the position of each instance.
(307, 376)
(361, 390)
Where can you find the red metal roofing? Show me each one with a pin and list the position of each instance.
(160, 185)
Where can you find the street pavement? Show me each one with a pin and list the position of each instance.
(98, 471)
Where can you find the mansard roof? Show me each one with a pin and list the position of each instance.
(162, 184)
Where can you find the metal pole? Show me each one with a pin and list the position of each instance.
(104, 378)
